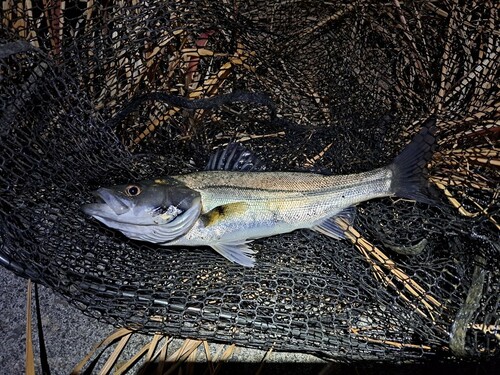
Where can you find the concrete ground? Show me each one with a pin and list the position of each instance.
(70, 335)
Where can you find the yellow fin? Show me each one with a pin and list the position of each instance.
(225, 211)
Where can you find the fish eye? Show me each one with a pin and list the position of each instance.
(133, 190)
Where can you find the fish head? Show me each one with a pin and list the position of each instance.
(155, 211)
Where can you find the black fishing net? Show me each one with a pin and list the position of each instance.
(338, 87)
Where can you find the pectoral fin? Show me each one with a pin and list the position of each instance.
(237, 252)
(224, 212)
(329, 226)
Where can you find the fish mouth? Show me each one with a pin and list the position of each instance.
(109, 204)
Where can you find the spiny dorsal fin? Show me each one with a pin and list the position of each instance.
(234, 157)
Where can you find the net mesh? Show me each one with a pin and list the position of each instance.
(352, 82)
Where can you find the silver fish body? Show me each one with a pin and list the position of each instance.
(262, 204)
(226, 209)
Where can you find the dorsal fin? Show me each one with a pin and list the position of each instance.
(234, 157)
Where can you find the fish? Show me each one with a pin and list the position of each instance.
(236, 200)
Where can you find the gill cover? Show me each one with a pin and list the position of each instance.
(166, 232)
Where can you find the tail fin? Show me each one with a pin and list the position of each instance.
(409, 166)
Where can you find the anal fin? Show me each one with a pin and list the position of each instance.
(236, 252)
(330, 227)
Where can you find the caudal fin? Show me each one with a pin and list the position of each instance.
(409, 166)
